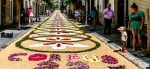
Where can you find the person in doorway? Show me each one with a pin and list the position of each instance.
(47, 12)
(77, 15)
(135, 24)
(83, 14)
(108, 18)
(23, 14)
(93, 16)
(124, 38)
(30, 14)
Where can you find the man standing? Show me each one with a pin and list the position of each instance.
(108, 17)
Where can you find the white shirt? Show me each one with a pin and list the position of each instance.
(124, 36)
(77, 13)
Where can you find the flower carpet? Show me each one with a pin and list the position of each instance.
(57, 43)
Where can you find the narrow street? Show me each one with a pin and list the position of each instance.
(57, 43)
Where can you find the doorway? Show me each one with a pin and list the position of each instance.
(3, 7)
(0, 12)
(106, 2)
(120, 13)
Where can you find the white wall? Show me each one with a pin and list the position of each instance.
(95, 4)
(112, 2)
(34, 6)
(83, 2)
(101, 5)
(28, 4)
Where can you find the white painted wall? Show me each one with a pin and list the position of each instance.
(33, 4)
(28, 4)
(101, 5)
(83, 2)
(112, 2)
(95, 4)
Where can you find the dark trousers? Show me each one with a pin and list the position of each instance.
(107, 29)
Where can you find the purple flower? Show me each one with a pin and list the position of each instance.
(11, 57)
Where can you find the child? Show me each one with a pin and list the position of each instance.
(124, 38)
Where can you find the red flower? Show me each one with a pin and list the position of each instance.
(37, 57)
(58, 45)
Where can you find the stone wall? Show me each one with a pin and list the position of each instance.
(16, 10)
(148, 29)
(148, 37)
(5, 10)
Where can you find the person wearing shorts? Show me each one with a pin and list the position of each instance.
(124, 38)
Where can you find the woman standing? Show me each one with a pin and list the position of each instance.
(135, 24)
(30, 14)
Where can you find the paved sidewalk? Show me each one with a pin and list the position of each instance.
(142, 59)
(4, 42)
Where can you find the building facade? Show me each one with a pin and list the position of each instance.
(121, 10)
(10, 10)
